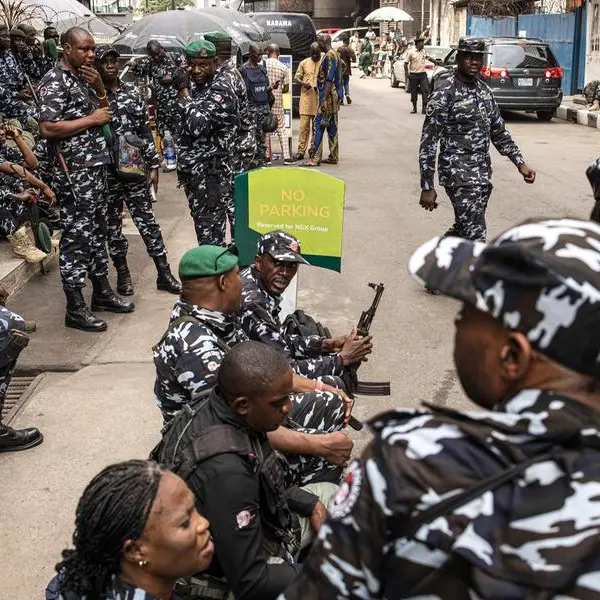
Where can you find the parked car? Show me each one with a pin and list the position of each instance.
(436, 54)
(337, 39)
(522, 72)
(329, 30)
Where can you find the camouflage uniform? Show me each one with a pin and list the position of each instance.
(12, 212)
(186, 366)
(258, 113)
(260, 320)
(165, 96)
(130, 115)
(63, 96)
(30, 63)
(531, 535)
(12, 81)
(245, 144)
(209, 133)
(8, 321)
(464, 118)
(116, 590)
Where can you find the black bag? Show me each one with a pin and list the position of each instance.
(257, 84)
(128, 158)
(269, 125)
(299, 323)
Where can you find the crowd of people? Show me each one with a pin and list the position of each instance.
(250, 492)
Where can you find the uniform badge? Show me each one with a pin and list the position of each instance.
(347, 495)
(431, 108)
(212, 366)
(245, 518)
(202, 53)
(294, 246)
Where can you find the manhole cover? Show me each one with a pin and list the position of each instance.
(16, 395)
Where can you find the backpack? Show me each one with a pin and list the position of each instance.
(303, 325)
(257, 84)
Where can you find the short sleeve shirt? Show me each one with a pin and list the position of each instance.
(415, 59)
(65, 97)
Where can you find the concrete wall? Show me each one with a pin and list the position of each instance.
(447, 25)
(417, 9)
(592, 57)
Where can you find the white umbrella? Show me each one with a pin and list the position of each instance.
(388, 13)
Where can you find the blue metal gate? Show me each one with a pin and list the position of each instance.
(565, 34)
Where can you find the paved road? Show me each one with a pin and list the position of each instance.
(104, 412)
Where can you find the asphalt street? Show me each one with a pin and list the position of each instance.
(95, 402)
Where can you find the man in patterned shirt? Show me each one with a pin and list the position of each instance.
(279, 82)
(73, 111)
(276, 264)
(331, 92)
(501, 502)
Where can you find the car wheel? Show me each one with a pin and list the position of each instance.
(393, 81)
(545, 115)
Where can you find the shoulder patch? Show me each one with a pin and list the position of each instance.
(246, 518)
(345, 499)
(431, 108)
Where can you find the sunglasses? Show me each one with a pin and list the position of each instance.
(231, 249)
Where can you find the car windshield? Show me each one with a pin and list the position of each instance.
(522, 56)
(437, 52)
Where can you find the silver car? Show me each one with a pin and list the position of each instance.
(435, 55)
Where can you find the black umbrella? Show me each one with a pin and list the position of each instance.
(238, 21)
(175, 29)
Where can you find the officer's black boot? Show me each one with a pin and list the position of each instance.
(124, 283)
(78, 314)
(414, 110)
(104, 298)
(165, 281)
(12, 440)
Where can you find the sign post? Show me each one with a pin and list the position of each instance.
(306, 203)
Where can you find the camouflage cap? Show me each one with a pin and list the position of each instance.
(281, 245)
(472, 45)
(207, 261)
(104, 50)
(541, 278)
(200, 49)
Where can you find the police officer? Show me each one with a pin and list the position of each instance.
(20, 48)
(245, 144)
(159, 66)
(462, 115)
(219, 446)
(74, 108)
(34, 61)
(203, 328)
(209, 115)
(15, 95)
(276, 264)
(130, 117)
(484, 504)
(12, 342)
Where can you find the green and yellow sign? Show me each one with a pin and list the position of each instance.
(307, 203)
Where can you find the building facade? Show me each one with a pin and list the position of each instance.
(419, 10)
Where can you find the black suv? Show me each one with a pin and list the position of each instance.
(522, 72)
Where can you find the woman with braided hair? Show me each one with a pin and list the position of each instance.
(136, 532)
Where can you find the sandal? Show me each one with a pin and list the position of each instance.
(312, 163)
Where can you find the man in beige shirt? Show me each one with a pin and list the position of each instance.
(415, 74)
(306, 76)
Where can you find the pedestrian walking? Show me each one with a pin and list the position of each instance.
(463, 117)
(306, 76)
(416, 75)
(330, 91)
(365, 58)
(209, 115)
(347, 56)
(258, 86)
(245, 144)
(130, 118)
(484, 504)
(159, 66)
(279, 81)
(73, 110)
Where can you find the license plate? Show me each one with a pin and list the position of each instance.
(524, 81)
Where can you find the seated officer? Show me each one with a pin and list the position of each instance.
(275, 266)
(218, 445)
(203, 328)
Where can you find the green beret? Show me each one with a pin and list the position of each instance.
(206, 261)
(217, 36)
(200, 49)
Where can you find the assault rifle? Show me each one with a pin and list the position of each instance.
(366, 388)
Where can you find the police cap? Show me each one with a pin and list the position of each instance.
(17, 33)
(200, 49)
(106, 50)
(541, 278)
(207, 261)
(281, 245)
(470, 45)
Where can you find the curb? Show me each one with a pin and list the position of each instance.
(581, 116)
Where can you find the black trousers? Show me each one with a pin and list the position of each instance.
(419, 84)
